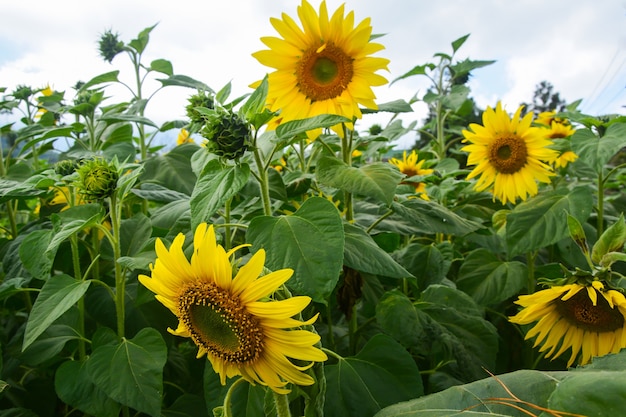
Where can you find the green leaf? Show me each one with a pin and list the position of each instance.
(425, 262)
(396, 106)
(597, 151)
(311, 242)
(131, 371)
(163, 66)
(172, 170)
(184, 81)
(256, 102)
(479, 398)
(139, 44)
(49, 344)
(224, 92)
(430, 217)
(577, 233)
(363, 254)
(107, 77)
(417, 70)
(377, 180)
(74, 387)
(489, 280)
(456, 44)
(293, 128)
(541, 221)
(158, 193)
(57, 296)
(381, 374)
(121, 117)
(34, 253)
(216, 185)
(463, 67)
(612, 240)
(397, 316)
(70, 221)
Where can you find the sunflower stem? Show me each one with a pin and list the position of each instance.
(120, 282)
(228, 403)
(600, 226)
(263, 181)
(81, 301)
(346, 154)
(282, 405)
(227, 229)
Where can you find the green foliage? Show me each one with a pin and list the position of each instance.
(412, 277)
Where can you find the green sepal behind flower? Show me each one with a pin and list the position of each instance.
(97, 179)
(228, 135)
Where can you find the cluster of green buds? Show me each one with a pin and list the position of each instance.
(203, 100)
(110, 45)
(228, 134)
(66, 167)
(22, 92)
(86, 101)
(97, 179)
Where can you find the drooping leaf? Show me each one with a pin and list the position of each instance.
(57, 296)
(363, 254)
(382, 373)
(131, 371)
(417, 70)
(74, 387)
(542, 221)
(377, 180)
(216, 185)
(184, 81)
(49, 344)
(489, 280)
(107, 77)
(310, 241)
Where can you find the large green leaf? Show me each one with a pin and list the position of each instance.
(74, 387)
(57, 296)
(542, 220)
(49, 344)
(295, 127)
(488, 279)
(597, 151)
(107, 77)
(430, 217)
(156, 192)
(425, 262)
(612, 240)
(591, 393)
(121, 117)
(71, 221)
(172, 170)
(163, 66)
(447, 325)
(311, 242)
(131, 371)
(34, 254)
(377, 180)
(216, 185)
(363, 254)
(381, 374)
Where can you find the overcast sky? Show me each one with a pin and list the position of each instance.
(579, 46)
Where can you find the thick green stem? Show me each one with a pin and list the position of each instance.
(81, 301)
(263, 182)
(228, 403)
(120, 280)
(9, 204)
(282, 405)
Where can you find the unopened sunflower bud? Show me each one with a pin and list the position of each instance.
(65, 167)
(228, 135)
(110, 45)
(97, 179)
(22, 92)
(202, 99)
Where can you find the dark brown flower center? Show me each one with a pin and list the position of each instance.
(324, 72)
(508, 154)
(219, 323)
(580, 312)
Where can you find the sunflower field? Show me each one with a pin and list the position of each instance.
(284, 259)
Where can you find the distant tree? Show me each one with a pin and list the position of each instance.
(544, 99)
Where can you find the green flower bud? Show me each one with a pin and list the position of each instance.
(202, 99)
(65, 167)
(110, 45)
(23, 92)
(228, 135)
(97, 179)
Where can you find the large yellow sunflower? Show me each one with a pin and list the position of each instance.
(323, 67)
(586, 318)
(509, 154)
(410, 166)
(231, 320)
(557, 128)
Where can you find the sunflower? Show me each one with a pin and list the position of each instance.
(587, 318)
(230, 319)
(324, 67)
(565, 158)
(184, 137)
(557, 128)
(509, 154)
(410, 167)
